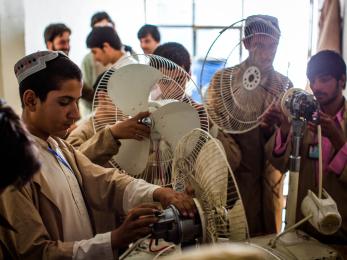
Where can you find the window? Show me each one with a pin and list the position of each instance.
(197, 23)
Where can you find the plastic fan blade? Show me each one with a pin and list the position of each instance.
(168, 121)
(130, 85)
(133, 156)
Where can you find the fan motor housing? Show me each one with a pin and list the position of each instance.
(172, 227)
(251, 78)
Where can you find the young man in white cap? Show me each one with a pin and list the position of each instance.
(52, 213)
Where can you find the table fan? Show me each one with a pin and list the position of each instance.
(155, 84)
(200, 163)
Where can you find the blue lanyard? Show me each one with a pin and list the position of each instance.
(60, 158)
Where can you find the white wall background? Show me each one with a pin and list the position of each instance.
(23, 21)
(128, 16)
(11, 49)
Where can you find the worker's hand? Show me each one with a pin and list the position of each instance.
(275, 117)
(182, 201)
(135, 226)
(131, 128)
(329, 130)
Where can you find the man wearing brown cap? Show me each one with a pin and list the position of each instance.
(260, 184)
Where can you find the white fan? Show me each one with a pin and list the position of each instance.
(242, 91)
(200, 163)
(156, 84)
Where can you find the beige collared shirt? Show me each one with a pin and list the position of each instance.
(69, 199)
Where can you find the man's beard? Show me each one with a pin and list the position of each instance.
(333, 98)
(66, 51)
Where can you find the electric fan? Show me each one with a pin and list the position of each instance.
(246, 86)
(154, 84)
(200, 163)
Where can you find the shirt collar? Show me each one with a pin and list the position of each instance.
(339, 114)
(50, 142)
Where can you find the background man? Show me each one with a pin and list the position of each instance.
(149, 37)
(57, 37)
(260, 184)
(91, 69)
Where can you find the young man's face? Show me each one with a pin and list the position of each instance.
(327, 89)
(60, 109)
(100, 55)
(148, 44)
(262, 50)
(60, 43)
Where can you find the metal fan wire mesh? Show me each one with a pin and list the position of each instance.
(200, 163)
(238, 95)
(172, 87)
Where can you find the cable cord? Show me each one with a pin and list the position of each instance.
(133, 247)
(163, 251)
(320, 162)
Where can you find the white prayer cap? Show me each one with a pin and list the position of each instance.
(33, 63)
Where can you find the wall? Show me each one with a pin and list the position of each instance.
(128, 16)
(11, 48)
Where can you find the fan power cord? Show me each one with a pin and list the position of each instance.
(133, 247)
(320, 162)
(272, 243)
(163, 251)
(155, 250)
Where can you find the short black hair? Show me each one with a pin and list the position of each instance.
(99, 16)
(99, 35)
(149, 29)
(53, 30)
(50, 78)
(326, 62)
(16, 146)
(175, 52)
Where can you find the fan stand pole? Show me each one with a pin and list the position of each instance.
(294, 168)
(320, 162)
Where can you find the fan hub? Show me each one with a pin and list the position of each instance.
(251, 78)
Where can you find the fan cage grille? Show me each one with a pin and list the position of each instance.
(200, 163)
(242, 91)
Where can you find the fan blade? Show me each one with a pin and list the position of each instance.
(130, 85)
(168, 121)
(133, 156)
